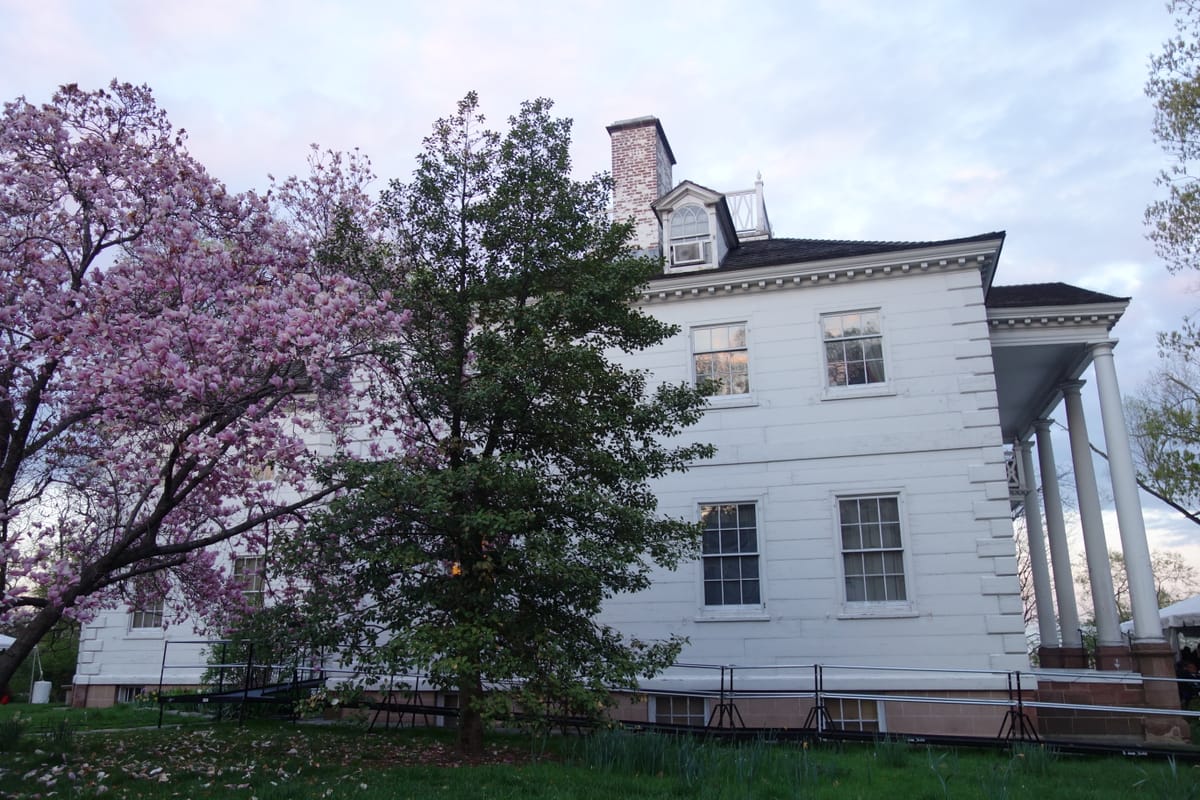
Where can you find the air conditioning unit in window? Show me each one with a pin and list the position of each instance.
(698, 252)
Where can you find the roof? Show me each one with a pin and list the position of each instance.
(1046, 294)
(770, 252)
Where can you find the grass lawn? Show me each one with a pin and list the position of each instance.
(276, 760)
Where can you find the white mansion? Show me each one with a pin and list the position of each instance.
(875, 408)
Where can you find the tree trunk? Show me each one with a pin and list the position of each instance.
(27, 638)
(470, 721)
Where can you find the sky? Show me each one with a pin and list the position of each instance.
(867, 120)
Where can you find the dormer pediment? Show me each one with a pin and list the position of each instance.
(684, 192)
(697, 227)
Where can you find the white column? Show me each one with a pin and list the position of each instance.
(1043, 596)
(1104, 599)
(1056, 531)
(1143, 597)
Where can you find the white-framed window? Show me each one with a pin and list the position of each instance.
(149, 615)
(679, 709)
(853, 343)
(721, 359)
(129, 694)
(865, 716)
(248, 572)
(872, 549)
(691, 244)
(730, 554)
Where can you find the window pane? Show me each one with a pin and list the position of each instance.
(891, 535)
(749, 566)
(848, 510)
(729, 516)
(712, 569)
(720, 338)
(855, 590)
(889, 509)
(855, 374)
(750, 592)
(729, 539)
(831, 327)
(747, 515)
(870, 322)
(732, 591)
(712, 593)
(875, 588)
(869, 508)
(746, 543)
(851, 537)
(871, 537)
(875, 371)
(731, 568)
(689, 221)
(702, 340)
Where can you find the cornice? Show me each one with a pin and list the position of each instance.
(707, 283)
(1090, 314)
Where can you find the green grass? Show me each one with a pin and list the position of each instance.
(44, 717)
(280, 761)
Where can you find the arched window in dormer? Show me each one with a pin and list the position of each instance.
(690, 241)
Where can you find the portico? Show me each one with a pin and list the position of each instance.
(1044, 337)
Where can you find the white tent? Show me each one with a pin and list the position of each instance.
(1182, 618)
(1182, 615)
(5, 641)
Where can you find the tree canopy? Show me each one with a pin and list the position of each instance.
(1174, 87)
(1163, 416)
(1164, 426)
(482, 560)
(165, 348)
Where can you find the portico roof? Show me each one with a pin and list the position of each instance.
(1041, 336)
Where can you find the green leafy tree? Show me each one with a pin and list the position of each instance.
(483, 560)
(1174, 86)
(1164, 426)
(1163, 417)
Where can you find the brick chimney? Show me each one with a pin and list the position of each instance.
(641, 171)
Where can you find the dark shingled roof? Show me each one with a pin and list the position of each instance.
(1046, 294)
(770, 252)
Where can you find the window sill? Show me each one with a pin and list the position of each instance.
(877, 611)
(717, 402)
(145, 633)
(751, 614)
(851, 392)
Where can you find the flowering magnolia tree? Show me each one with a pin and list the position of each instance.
(167, 352)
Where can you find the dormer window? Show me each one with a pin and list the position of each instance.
(691, 244)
